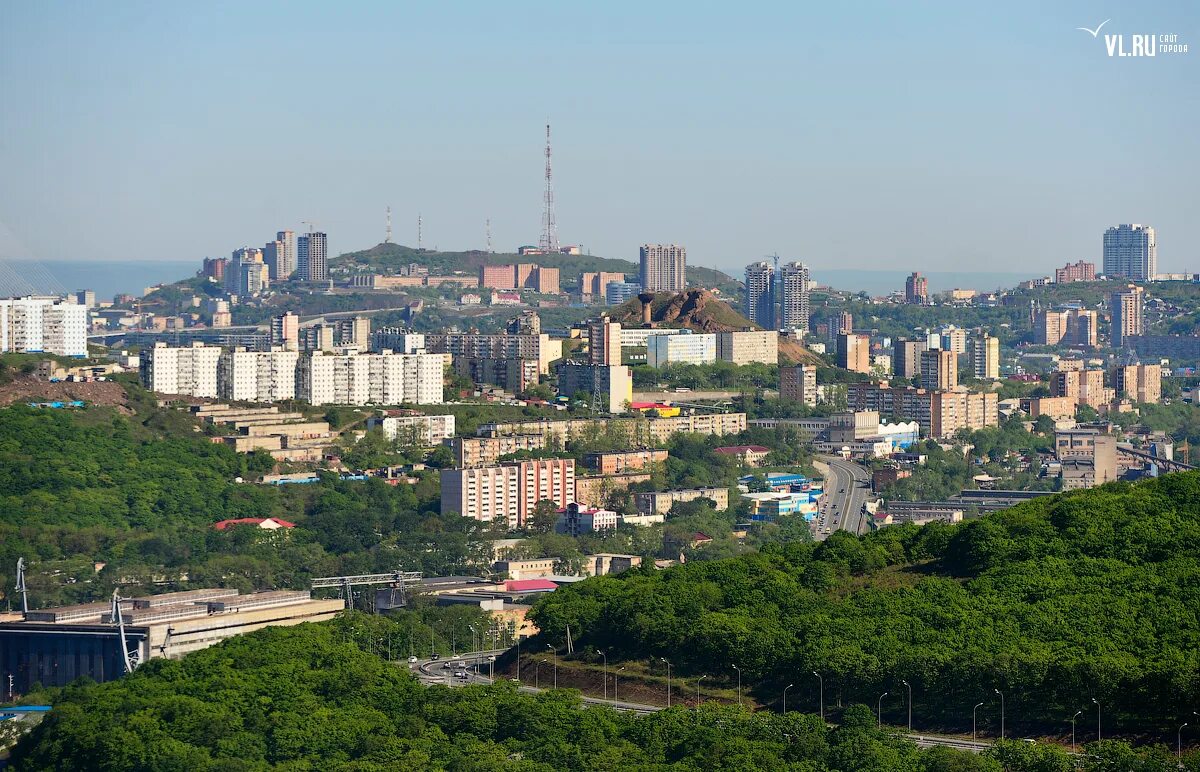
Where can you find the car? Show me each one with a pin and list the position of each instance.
(447, 665)
(435, 656)
(412, 659)
(461, 674)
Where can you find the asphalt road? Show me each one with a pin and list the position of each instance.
(847, 486)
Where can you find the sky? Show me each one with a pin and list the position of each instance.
(936, 136)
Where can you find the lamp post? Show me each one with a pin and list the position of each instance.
(474, 649)
(431, 651)
(789, 686)
(879, 710)
(622, 667)
(821, 682)
(974, 712)
(739, 672)
(1097, 718)
(1077, 714)
(1179, 742)
(555, 653)
(537, 673)
(518, 659)
(605, 655)
(698, 680)
(997, 691)
(664, 659)
(907, 684)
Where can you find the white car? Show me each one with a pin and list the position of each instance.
(412, 659)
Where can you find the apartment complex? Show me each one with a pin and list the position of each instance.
(743, 347)
(190, 370)
(604, 341)
(1140, 383)
(1088, 458)
(854, 352)
(839, 324)
(906, 357)
(513, 375)
(618, 292)
(419, 430)
(257, 376)
(650, 431)
(939, 369)
(521, 276)
(1130, 252)
(620, 461)
(983, 353)
(362, 379)
(280, 256)
(246, 273)
(43, 324)
(663, 267)
(916, 289)
(483, 346)
(1128, 315)
(487, 451)
(595, 284)
(793, 297)
(1085, 386)
(508, 492)
(1074, 327)
(613, 383)
(938, 413)
(799, 383)
(695, 349)
(285, 331)
(1080, 271)
(312, 257)
(759, 302)
(660, 502)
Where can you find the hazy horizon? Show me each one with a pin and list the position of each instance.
(872, 136)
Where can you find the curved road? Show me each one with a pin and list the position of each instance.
(847, 486)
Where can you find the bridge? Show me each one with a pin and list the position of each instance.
(1166, 464)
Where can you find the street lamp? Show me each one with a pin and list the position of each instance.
(537, 673)
(1179, 742)
(555, 653)
(974, 712)
(698, 680)
(605, 655)
(664, 659)
(1077, 714)
(518, 658)
(997, 691)
(739, 672)
(622, 667)
(879, 709)
(474, 649)
(906, 683)
(1097, 718)
(821, 682)
(789, 686)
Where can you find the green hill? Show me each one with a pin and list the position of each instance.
(695, 309)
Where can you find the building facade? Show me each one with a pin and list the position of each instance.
(1080, 271)
(743, 347)
(916, 289)
(854, 352)
(759, 302)
(695, 349)
(906, 357)
(1128, 314)
(257, 376)
(312, 255)
(614, 383)
(939, 369)
(189, 371)
(793, 297)
(984, 356)
(43, 324)
(1130, 252)
(663, 267)
(508, 492)
(799, 383)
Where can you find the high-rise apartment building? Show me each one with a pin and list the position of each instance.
(1050, 327)
(280, 256)
(613, 383)
(594, 284)
(1082, 327)
(482, 346)
(604, 341)
(663, 267)
(361, 379)
(939, 369)
(799, 383)
(906, 357)
(854, 352)
(1080, 271)
(984, 355)
(759, 303)
(246, 273)
(954, 339)
(1128, 316)
(793, 297)
(1086, 386)
(743, 347)
(1140, 383)
(257, 376)
(1130, 252)
(42, 323)
(839, 323)
(916, 289)
(285, 331)
(695, 349)
(189, 370)
(939, 413)
(214, 268)
(312, 257)
(510, 492)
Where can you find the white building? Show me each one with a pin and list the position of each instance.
(37, 324)
(635, 337)
(362, 379)
(257, 376)
(615, 383)
(743, 347)
(663, 267)
(793, 297)
(696, 349)
(415, 429)
(189, 370)
(1130, 252)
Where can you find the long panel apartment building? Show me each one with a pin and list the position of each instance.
(640, 430)
(508, 492)
(472, 345)
(43, 324)
(938, 413)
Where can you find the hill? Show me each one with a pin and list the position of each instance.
(693, 309)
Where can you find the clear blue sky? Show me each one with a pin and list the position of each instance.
(885, 135)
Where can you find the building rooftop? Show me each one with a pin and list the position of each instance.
(739, 449)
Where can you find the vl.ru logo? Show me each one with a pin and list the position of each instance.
(1138, 44)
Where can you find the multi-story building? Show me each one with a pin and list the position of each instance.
(648, 431)
(663, 267)
(398, 340)
(1140, 383)
(793, 297)
(604, 341)
(742, 347)
(984, 356)
(487, 451)
(759, 303)
(1088, 458)
(620, 461)
(839, 324)
(618, 292)
(361, 379)
(906, 357)
(280, 256)
(1050, 327)
(594, 284)
(854, 352)
(799, 383)
(1080, 271)
(660, 502)
(695, 349)
(481, 346)
(939, 369)
(257, 376)
(938, 413)
(420, 430)
(579, 519)
(524, 323)
(1082, 328)
(317, 337)
(916, 289)
(1130, 252)
(515, 376)
(246, 273)
(37, 324)
(189, 370)
(954, 339)
(312, 257)
(1128, 317)
(86, 298)
(1085, 386)
(285, 331)
(508, 492)
(614, 383)
(214, 268)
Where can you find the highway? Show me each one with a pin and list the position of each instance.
(847, 486)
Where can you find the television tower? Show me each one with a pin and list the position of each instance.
(549, 242)
(387, 238)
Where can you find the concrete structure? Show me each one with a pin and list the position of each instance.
(482, 346)
(577, 519)
(618, 461)
(535, 568)
(1088, 457)
(939, 413)
(594, 489)
(594, 285)
(650, 431)
(257, 376)
(397, 340)
(906, 357)
(840, 323)
(939, 369)
(916, 289)
(660, 502)
(635, 337)
(189, 371)
(1130, 252)
(280, 256)
(663, 267)
(285, 331)
(618, 292)
(614, 383)
(793, 297)
(604, 341)
(1128, 316)
(508, 492)
(312, 257)
(487, 451)
(361, 379)
(1079, 271)
(695, 349)
(743, 347)
(759, 302)
(513, 375)
(1058, 408)
(854, 352)
(43, 324)
(1140, 383)
(418, 430)
(799, 383)
(953, 339)
(749, 455)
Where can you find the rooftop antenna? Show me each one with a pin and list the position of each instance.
(21, 586)
(549, 241)
(387, 238)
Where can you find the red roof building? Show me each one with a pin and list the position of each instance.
(529, 585)
(266, 523)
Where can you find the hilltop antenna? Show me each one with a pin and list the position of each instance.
(487, 225)
(549, 241)
(418, 231)
(387, 238)
(21, 586)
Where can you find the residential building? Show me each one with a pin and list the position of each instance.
(1050, 327)
(594, 285)
(1080, 271)
(498, 276)
(1085, 386)
(939, 369)
(214, 268)
(189, 371)
(799, 383)
(759, 302)
(854, 352)
(954, 339)
(916, 289)
(318, 337)
(1130, 252)
(43, 324)
(509, 491)
(398, 340)
(660, 502)
(86, 298)
(618, 292)
(1058, 408)
(841, 323)
(1128, 317)
(1088, 457)
(604, 341)
(695, 349)
(742, 347)
(906, 357)
(515, 376)
(257, 376)
(482, 346)
(524, 323)
(312, 257)
(938, 413)
(613, 383)
(793, 297)
(638, 337)
(620, 461)
(280, 256)
(361, 379)
(546, 281)
(1082, 328)
(984, 356)
(748, 455)
(655, 431)
(285, 331)
(487, 451)
(419, 430)
(1140, 383)
(577, 519)
(663, 267)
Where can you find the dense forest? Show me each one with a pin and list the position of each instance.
(312, 698)
(1089, 595)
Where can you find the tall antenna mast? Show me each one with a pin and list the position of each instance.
(418, 231)
(488, 227)
(549, 242)
(387, 239)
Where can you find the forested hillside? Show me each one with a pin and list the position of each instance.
(1093, 594)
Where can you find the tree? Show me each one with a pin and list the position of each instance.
(543, 517)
